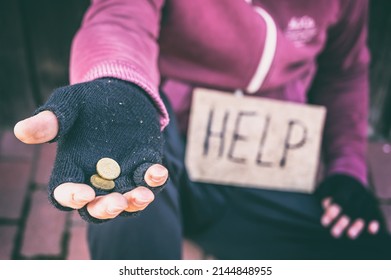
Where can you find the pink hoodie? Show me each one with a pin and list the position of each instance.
(294, 50)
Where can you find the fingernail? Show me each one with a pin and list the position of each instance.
(114, 210)
(374, 227)
(157, 179)
(159, 173)
(143, 197)
(81, 198)
(336, 233)
(353, 234)
(140, 203)
(325, 222)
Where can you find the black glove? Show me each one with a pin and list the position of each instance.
(352, 196)
(103, 118)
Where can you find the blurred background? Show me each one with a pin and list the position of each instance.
(35, 38)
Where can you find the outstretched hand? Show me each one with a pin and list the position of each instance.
(77, 193)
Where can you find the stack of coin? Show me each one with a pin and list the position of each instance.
(108, 170)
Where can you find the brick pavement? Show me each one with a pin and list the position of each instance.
(32, 229)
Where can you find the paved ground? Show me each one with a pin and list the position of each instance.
(30, 228)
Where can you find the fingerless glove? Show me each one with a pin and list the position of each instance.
(354, 198)
(103, 118)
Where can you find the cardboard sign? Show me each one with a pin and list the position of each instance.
(253, 142)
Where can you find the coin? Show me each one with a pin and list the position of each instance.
(100, 183)
(108, 168)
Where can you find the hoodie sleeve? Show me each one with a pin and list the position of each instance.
(341, 85)
(119, 40)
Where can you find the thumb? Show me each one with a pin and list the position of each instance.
(38, 129)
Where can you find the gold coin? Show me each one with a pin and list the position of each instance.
(108, 168)
(100, 183)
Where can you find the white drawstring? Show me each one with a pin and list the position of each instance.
(269, 51)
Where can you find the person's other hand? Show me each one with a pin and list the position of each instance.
(349, 208)
(100, 124)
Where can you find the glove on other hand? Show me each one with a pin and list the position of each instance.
(352, 196)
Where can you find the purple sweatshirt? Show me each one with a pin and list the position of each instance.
(294, 50)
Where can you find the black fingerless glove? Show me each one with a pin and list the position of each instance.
(103, 118)
(354, 198)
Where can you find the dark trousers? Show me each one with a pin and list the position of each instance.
(228, 222)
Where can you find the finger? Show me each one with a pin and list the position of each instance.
(73, 195)
(356, 228)
(107, 206)
(156, 175)
(40, 128)
(374, 227)
(330, 214)
(340, 226)
(326, 202)
(138, 199)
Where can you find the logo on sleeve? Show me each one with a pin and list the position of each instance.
(301, 30)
